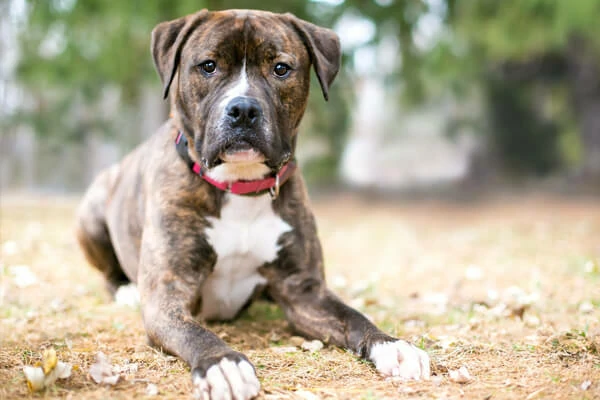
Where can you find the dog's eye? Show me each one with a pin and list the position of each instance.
(282, 70)
(209, 67)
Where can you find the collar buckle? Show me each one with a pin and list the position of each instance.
(274, 190)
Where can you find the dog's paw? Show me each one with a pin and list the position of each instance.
(128, 295)
(400, 359)
(227, 380)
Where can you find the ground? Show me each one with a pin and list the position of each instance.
(506, 287)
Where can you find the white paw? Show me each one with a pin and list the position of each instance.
(400, 359)
(128, 295)
(227, 381)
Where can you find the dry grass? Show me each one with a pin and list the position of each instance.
(508, 288)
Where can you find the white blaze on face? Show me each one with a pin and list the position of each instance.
(239, 88)
(248, 166)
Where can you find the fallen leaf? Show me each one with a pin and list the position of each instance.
(35, 378)
(50, 369)
(585, 385)
(407, 390)
(460, 375)
(306, 395)
(284, 349)
(534, 394)
(23, 276)
(275, 337)
(102, 371)
(49, 360)
(151, 389)
(312, 345)
(127, 368)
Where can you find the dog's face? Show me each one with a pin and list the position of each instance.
(239, 81)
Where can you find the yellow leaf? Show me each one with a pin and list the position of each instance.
(49, 360)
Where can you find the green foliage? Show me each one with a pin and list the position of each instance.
(512, 48)
(94, 43)
(73, 52)
(330, 122)
(525, 141)
(519, 28)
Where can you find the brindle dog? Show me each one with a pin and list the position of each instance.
(168, 218)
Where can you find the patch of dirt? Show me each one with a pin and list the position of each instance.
(508, 289)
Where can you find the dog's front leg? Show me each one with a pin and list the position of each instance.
(314, 311)
(169, 290)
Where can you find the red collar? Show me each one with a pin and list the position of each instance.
(259, 186)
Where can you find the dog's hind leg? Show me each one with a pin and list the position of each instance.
(92, 232)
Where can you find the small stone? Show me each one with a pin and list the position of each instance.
(339, 282)
(360, 287)
(23, 276)
(223, 335)
(585, 385)
(492, 295)
(414, 323)
(591, 267)
(10, 248)
(586, 307)
(531, 321)
(358, 303)
(473, 273)
(58, 305)
(460, 375)
(436, 380)
(312, 345)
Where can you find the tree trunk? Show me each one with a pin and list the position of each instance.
(584, 80)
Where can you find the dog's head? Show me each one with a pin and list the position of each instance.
(239, 83)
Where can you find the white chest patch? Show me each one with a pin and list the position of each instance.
(244, 238)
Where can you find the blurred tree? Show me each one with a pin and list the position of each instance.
(525, 46)
(76, 54)
(73, 52)
(535, 61)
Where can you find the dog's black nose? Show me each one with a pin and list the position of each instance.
(243, 112)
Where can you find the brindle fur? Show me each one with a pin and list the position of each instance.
(144, 220)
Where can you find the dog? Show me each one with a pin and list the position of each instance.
(212, 209)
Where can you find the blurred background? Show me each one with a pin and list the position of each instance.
(432, 93)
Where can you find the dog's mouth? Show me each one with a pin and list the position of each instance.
(241, 152)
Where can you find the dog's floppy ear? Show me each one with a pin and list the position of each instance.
(168, 39)
(323, 45)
